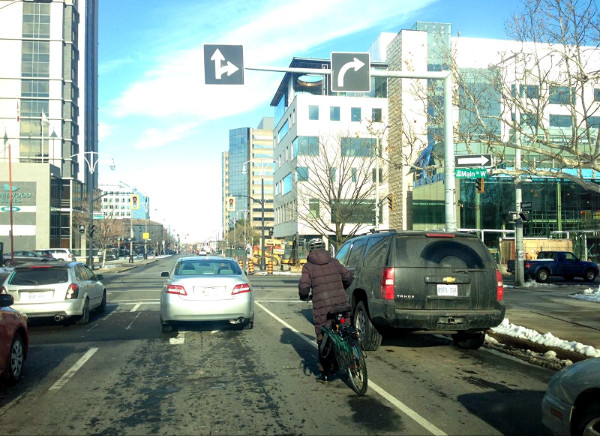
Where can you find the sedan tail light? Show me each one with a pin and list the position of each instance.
(3, 290)
(499, 286)
(240, 289)
(175, 289)
(387, 283)
(72, 291)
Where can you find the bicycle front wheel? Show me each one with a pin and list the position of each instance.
(357, 372)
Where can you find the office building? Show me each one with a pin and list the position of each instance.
(48, 119)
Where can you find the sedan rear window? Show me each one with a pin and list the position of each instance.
(39, 276)
(207, 267)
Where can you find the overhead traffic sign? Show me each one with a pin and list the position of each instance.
(223, 64)
(473, 161)
(350, 72)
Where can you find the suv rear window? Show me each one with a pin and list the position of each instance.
(39, 276)
(442, 252)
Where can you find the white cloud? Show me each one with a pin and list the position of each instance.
(158, 137)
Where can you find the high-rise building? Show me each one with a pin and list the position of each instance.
(248, 177)
(48, 119)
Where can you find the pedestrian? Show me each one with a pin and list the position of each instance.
(328, 279)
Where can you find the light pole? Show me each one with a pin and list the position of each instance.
(92, 163)
(10, 199)
(377, 155)
(262, 203)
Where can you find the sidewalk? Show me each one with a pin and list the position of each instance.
(122, 264)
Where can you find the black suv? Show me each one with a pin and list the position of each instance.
(430, 281)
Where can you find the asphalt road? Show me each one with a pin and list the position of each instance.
(121, 375)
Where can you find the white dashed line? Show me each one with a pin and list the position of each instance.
(71, 372)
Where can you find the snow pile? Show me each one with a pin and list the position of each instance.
(589, 294)
(547, 339)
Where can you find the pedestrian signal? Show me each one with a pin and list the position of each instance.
(230, 204)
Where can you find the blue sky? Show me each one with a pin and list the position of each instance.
(166, 130)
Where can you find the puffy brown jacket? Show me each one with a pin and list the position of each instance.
(328, 279)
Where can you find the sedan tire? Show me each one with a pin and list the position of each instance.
(587, 420)
(16, 359)
(590, 275)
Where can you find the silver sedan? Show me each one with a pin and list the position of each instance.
(206, 288)
(572, 402)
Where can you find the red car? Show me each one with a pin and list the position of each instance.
(14, 340)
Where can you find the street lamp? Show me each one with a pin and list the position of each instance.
(92, 162)
(262, 203)
(378, 136)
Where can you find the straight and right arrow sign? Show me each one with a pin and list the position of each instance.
(473, 161)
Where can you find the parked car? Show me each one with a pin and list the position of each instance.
(45, 253)
(571, 404)
(557, 263)
(429, 281)
(206, 288)
(62, 290)
(14, 340)
(23, 256)
(61, 254)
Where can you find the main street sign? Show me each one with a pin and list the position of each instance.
(473, 161)
(350, 72)
(223, 64)
(471, 173)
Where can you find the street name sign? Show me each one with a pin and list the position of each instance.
(470, 173)
(223, 64)
(473, 161)
(350, 72)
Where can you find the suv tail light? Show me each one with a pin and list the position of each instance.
(387, 283)
(240, 289)
(499, 286)
(72, 291)
(175, 289)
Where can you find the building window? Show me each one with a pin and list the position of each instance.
(306, 146)
(36, 20)
(287, 184)
(332, 174)
(560, 95)
(593, 122)
(529, 120)
(35, 59)
(596, 94)
(377, 115)
(530, 91)
(360, 147)
(313, 207)
(283, 131)
(302, 174)
(354, 175)
(313, 112)
(334, 113)
(380, 174)
(355, 114)
(35, 88)
(560, 121)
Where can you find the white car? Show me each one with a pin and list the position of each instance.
(61, 290)
(206, 288)
(571, 405)
(61, 253)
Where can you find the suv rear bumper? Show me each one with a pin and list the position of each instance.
(447, 320)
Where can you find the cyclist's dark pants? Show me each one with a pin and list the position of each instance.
(326, 364)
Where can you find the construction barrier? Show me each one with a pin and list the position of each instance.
(241, 262)
(270, 267)
(250, 267)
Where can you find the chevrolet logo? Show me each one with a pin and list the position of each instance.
(449, 279)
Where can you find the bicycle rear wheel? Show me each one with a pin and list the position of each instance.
(357, 371)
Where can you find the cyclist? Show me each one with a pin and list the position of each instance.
(328, 280)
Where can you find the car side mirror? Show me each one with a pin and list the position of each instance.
(6, 300)
(165, 274)
(99, 277)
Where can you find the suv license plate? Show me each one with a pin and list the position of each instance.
(447, 290)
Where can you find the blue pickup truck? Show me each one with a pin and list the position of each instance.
(557, 263)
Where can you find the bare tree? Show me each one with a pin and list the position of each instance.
(542, 97)
(336, 186)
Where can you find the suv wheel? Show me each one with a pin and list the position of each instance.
(469, 340)
(590, 275)
(369, 336)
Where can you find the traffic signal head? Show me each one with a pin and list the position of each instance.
(390, 198)
(92, 230)
(135, 201)
(479, 184)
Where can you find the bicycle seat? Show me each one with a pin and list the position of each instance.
(343, 309)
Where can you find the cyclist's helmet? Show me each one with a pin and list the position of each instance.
(315, 243)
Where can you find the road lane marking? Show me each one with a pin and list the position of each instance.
(136, 307)
(134, 319)
(71, 372)
(180, 339)
(389, 397)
